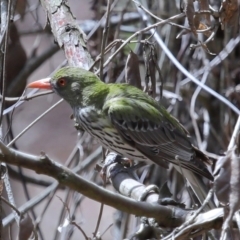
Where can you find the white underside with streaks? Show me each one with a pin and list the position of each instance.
(95, 125)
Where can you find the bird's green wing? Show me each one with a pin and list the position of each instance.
(151, 130)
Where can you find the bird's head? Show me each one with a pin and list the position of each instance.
(73, 84)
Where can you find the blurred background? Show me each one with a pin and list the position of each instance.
(33, 54)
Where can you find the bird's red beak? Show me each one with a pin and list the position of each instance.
(43, 84)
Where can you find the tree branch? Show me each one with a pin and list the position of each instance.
(67, 33)
(169, 216)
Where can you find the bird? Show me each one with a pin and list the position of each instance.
(129, 122)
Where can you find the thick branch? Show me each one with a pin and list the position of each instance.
(168, 216)
(67, 33)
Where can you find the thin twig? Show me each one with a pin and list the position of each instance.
(33, 180)
(37, 199)
(99, 219)
(106, 229)
(33, 122)
(31, 65)
(181, 15)
(5, 50)
(11, 206)
(104, 40)
(192, 111)
(80, 229)
(181, 230)
(27, 97)
(170, 23)
(184, 70)
(71, 221)
(105, 35)
(100, 22)
(234, 134)
(215, 61)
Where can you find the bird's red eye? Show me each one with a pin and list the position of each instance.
(62, 82)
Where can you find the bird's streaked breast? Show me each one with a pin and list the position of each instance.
(101, 128)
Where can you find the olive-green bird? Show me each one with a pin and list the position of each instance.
(129, 122)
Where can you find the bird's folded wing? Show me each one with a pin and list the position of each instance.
(153, 132)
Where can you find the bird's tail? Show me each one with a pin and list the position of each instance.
(198, 186)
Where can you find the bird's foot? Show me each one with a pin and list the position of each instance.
(169, 201)
(112, 158)
(165, 197)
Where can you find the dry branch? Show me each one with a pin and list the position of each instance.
(168, 216)
(67, 33)
(70, 37)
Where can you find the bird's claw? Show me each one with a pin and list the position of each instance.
(111, 158)
(170, 201)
